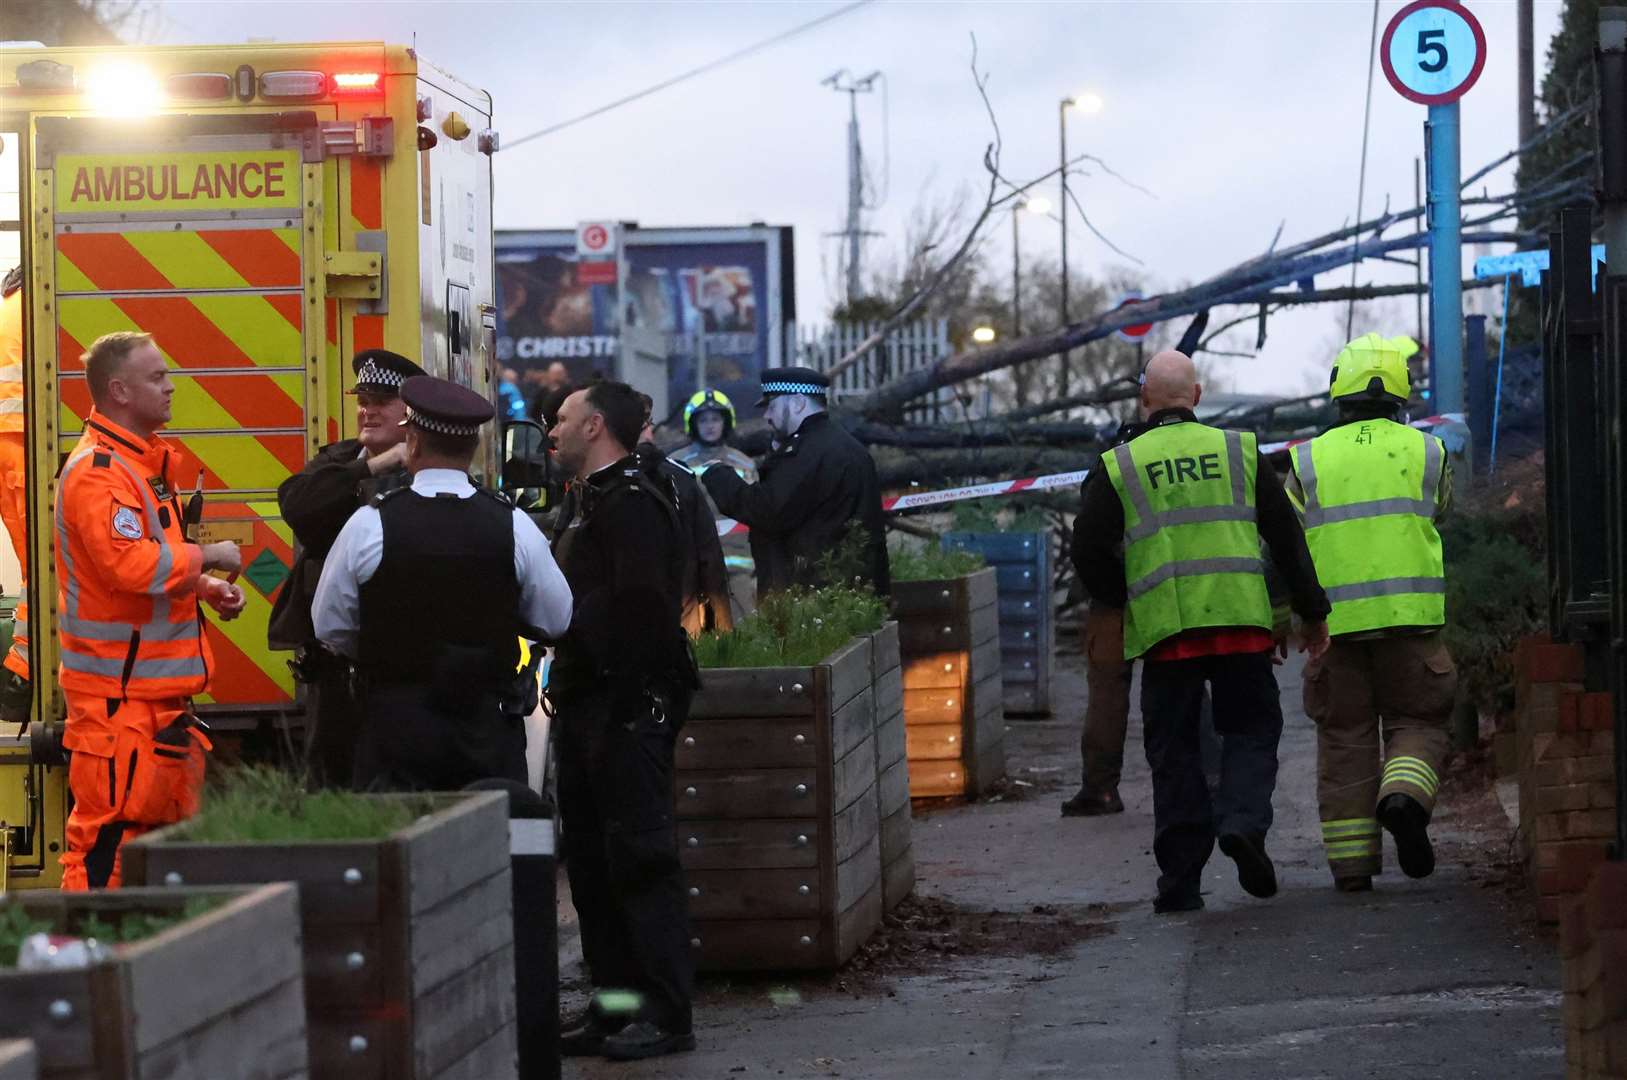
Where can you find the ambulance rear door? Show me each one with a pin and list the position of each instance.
(206, 232)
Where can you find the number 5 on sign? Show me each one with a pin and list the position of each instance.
(1433, 51)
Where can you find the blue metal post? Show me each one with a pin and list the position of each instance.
(1445, 260)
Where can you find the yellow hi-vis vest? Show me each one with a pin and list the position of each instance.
(1367, 495)
(1191, 539)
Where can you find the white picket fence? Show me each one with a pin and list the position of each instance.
(909, 347)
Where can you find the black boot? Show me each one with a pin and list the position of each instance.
(584, 1034)
(1089, 804)
(1409, 824)
(1254, 869)
(643, 1039)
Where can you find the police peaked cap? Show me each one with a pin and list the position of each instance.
(793, 380)
(444, 407)
(380, 371)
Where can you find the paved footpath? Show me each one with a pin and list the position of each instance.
(1060, 969)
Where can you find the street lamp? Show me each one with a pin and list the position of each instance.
(1034, 204)
(1090, 104)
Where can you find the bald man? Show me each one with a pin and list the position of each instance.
(1169, 530)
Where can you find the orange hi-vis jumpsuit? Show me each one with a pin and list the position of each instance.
(13, 483)
(133, 647)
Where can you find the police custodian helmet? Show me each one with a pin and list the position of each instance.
(709, 399)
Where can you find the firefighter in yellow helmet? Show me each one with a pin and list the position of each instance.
(1369, 491)
(708, 420)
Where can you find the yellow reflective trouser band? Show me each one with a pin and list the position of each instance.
(1414, 771)
(1349, 828)
(1353, 849)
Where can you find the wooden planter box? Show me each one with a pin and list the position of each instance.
(778, 823)
(408, 939)
(18, 1061)
(892, 767)
(949, 635)
(215, 996)
(1022, 567)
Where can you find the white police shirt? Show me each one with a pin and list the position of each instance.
(545, 596)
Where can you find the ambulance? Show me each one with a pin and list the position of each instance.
(264, 211)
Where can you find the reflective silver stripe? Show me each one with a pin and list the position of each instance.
(21, 649)
(1330, 515)
(155, 532)
(97, 630)
(11, 405)
(1187, 515)
(1366, 590)
(19, 627)
(113, 667)
(1234, 462)
(1434, 461)
(1307, 474)
(11, 373)
(64, 549)
(1132, 483)
(1194, 568)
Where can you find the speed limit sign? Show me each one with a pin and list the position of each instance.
(1433, 51)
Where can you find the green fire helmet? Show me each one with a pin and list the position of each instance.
(709, 399)
(1373, 368)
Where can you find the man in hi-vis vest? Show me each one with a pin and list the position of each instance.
(1191, 504)
(1369, 491)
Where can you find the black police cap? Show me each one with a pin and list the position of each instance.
(793, 380)
(380, 371)
(444, 407)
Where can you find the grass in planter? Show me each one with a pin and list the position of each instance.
(982, 516)
(930, 563)
(794, 628)
(17, 925)
(259, 804)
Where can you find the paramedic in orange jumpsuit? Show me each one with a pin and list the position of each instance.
(13, 485)
(129, 587)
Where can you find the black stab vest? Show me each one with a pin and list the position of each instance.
(445, 583)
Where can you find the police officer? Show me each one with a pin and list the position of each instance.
(429, 589)
(706, 602)
(708, 421)
(1190, 504)
(819, 500)
(1369, 491)
(316, 502)
(620, 687)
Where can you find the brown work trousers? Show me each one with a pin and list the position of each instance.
(1107, 706)
(1382, 708)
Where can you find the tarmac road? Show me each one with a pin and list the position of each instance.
(1441, 978)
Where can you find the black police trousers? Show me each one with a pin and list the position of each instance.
(409, 743)
(1248, 719)
(621, 855)
(333, 725)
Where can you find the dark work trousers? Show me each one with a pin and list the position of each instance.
(1248, 719)
(333, 725)
(409, 744)
(621, 856)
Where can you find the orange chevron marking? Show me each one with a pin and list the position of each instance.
(258, 254)
(367, 332)
(366, 193)
(238, 679)
(254, 400)
(110, 261)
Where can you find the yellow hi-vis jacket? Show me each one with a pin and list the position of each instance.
(1191, 537)
(1368, 492)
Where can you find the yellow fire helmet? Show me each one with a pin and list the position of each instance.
(709, 399)
(1373, 367)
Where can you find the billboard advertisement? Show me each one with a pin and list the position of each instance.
(726, 293)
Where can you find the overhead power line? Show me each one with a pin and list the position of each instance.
(692, 73)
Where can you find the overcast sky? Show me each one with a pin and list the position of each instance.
(1236, 115)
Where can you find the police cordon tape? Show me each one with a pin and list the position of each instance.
(730, 527)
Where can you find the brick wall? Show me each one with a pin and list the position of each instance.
(1566, 747)
(1593, 942)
